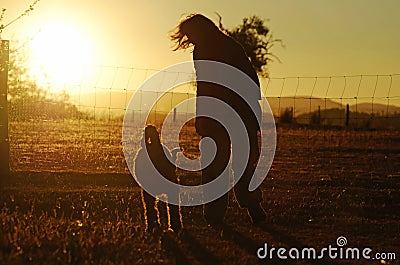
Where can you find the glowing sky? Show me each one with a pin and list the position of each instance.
(322, 37)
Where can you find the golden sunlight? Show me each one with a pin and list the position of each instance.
(58, 55)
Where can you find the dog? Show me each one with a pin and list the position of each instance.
(150, 158)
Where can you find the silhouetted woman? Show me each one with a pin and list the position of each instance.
(212, 44)
(145, 171)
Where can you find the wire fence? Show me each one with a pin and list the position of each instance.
(333, 122)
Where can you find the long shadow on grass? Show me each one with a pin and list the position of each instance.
(198, 250)
(171, 245)
(191, 250)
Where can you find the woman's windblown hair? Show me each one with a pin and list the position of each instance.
(193, 24)
(180, 38)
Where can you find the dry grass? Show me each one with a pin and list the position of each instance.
(322, 184)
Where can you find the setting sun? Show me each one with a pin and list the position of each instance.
(59, 52)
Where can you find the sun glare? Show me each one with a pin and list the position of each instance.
(59, 53)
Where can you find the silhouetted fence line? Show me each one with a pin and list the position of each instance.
(368, 96)
(80, 129)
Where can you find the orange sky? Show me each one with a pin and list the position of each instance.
(322, 37)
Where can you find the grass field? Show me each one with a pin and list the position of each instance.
(71, 200)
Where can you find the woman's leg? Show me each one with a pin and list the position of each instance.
(214, 212)
(249, 199)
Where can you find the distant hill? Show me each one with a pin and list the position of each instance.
(115, 102)
(360, 120)
(300, 105)
(377, 108)
(118, 100)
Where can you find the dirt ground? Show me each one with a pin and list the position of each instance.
(323, 184)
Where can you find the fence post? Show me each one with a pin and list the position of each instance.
(347, 115)
(319, 115)
(174, 114)
(4, 143)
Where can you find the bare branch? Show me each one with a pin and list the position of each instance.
(3, 11)
(25, 13)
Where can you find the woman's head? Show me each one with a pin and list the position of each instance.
(195, 29)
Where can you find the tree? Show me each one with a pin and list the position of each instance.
(28, 100)
(20, 84)
(257, 41)
(287, 116)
